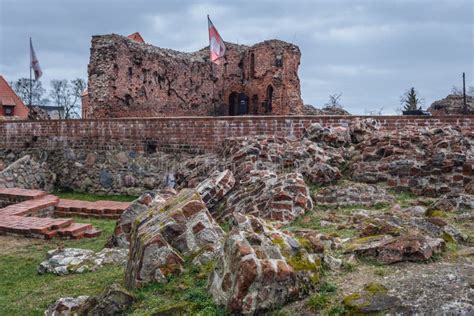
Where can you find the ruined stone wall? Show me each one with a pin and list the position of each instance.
(184, 134)
(92, 171)
(130, 79)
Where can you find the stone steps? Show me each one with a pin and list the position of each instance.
(98, 209)
(40, 206)
(30, 213)
(37, 227)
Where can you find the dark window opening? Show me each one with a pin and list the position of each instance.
(130, 73)
(8, 110)
(128, 99)
(269, 99)
(238, 104)
(279, 61)
(233, 103)
(150, 146)
(252, 65)
(255, 104)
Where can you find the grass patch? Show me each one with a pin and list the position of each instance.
(24, 292)
(403, 197)
(324, 299)
(184, 294)
(94, 197)
(313, 221)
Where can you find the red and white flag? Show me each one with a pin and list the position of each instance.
(216, 44)
(34, 64)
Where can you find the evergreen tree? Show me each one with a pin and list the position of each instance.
(410, 100)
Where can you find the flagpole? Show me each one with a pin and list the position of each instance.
(31, 86)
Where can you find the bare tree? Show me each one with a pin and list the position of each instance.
(410, 101)
(458, 91)
(378, 112)
(22, 89)
(67, 95)
(334, 100)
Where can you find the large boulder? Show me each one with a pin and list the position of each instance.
(404, 221)
(260, 268)
(113, 301)
(166, 232)
(388, 249)
(66, 306)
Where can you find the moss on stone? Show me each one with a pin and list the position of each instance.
(315, 278)
(375, 288)
(279, 242)
(448, 238)
(305, 243)
(300, 262)
(363, 240)
(436, 213)
(351, 300)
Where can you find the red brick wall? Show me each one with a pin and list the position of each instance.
(130, 79)
(182, 133)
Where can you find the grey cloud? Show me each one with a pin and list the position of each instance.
(371, 51)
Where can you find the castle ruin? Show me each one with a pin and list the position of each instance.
(129, 78)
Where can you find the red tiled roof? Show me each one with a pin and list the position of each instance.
(9, 97)
(136, 37)
(6, 101)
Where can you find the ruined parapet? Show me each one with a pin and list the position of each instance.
(452, 105)
(131, 79)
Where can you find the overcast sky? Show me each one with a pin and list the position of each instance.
(371, 51)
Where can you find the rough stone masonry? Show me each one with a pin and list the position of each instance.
(132, 79)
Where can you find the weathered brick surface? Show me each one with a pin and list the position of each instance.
(28, 213)
(98, 209)
(131, 79)
(195, 134)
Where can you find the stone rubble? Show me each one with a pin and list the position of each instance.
(354, 194)
(428, 162)
(114, 300)
(166, 232)
(405, 221)
(66, 306)
(123, 227)
(388, 249)
(260, 268)
(214, 188)
(265, 194)
(74, 260)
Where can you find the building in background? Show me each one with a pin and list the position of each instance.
(130, 78)
(11, 105)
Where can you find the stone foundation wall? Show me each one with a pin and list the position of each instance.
(184, 134)
(94, 171)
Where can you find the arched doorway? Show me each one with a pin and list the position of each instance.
(255, 104)
(233, 103)
(238, 104)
